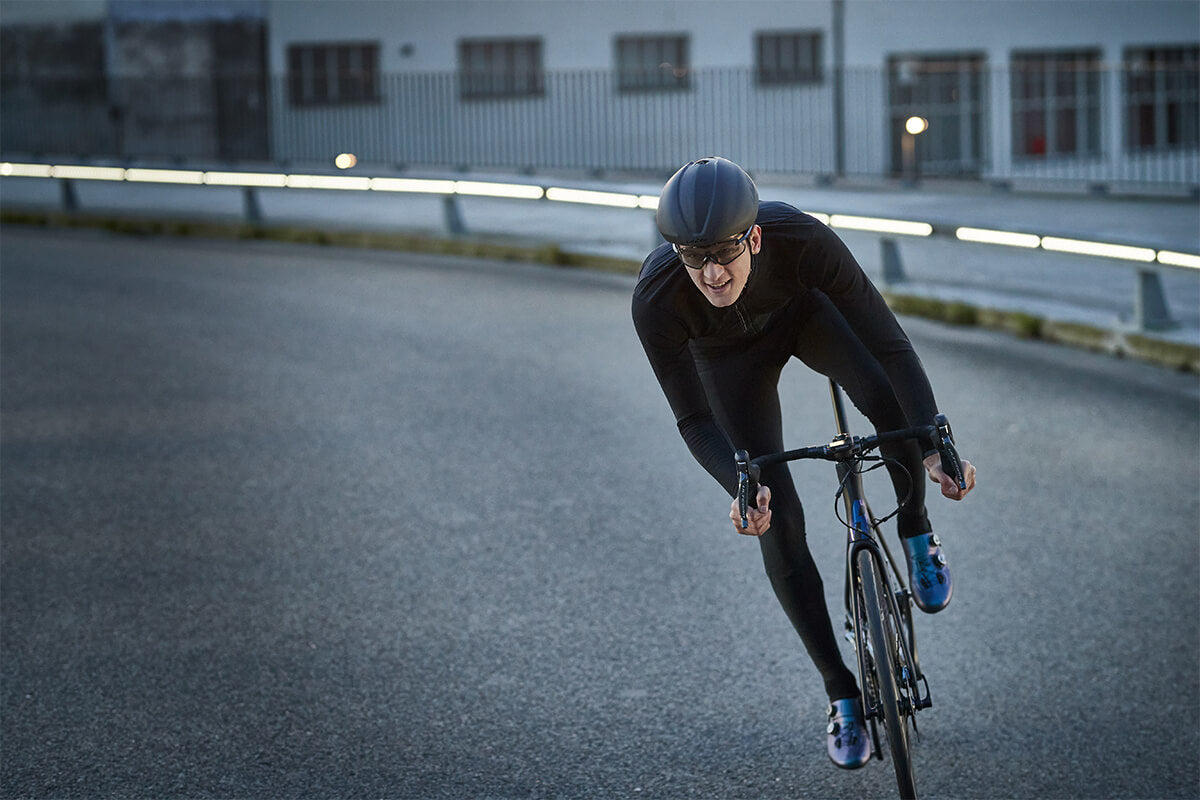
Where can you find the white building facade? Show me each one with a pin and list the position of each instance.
(1096, 91)
(1092, 90)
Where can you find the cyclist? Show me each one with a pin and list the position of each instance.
(740, 287)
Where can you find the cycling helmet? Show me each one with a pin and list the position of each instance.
(707, 201)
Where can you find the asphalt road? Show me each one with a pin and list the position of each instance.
(299, 522)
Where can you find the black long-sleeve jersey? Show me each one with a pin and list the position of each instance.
(798, 255)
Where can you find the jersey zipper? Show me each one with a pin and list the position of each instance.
(741, 318)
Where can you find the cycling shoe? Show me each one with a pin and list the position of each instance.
(848, 743)
(928, 573)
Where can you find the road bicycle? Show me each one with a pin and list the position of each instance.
(879, 619)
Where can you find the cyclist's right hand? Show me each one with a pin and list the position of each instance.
(759, 518)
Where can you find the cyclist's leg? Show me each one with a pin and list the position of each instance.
(825, 342)
(743, 389)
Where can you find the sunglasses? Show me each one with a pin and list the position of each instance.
(721, 254)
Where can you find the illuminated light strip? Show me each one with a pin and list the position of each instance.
(1008, 238)
(519, 191)
(412, 185)
(88, 173)
(25, 170)
(590, 197)
(327, 182)
(1080, 247)
(586, 196)
(879, 225)
(244, 179)
(164, 176)
(1171, 258)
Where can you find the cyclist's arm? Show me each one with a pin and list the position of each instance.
(829, 266)
(666, 345)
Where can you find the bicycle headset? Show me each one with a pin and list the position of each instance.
(705, 202)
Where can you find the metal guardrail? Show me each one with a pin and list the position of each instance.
(1151, 311)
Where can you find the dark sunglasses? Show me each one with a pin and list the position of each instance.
(721, 254)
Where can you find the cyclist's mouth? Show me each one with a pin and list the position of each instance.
(719, 287)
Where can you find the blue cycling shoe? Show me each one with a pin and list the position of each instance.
(848, 743)
(928, 574)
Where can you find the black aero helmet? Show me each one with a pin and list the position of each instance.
(707, 201)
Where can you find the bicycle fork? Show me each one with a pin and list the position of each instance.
(910, 677)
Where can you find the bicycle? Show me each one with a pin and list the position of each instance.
(878, 601)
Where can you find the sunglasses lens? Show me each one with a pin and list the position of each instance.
(695, 257)
(722, 254)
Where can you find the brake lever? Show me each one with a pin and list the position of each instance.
(951, 463)
(747, 484)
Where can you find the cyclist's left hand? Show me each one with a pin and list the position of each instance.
(933, 465)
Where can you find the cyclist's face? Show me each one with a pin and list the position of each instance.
(722, 284)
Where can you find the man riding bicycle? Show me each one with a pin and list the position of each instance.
(740, 287)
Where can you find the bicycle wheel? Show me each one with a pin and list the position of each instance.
(883, 629)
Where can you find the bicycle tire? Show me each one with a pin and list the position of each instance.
(884, 644)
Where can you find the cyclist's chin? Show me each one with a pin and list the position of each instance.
(723, 296)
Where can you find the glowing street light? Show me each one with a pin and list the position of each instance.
(916, 125)
(913, 126)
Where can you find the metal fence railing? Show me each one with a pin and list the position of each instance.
(583, 120)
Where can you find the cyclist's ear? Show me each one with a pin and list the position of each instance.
(755, 240)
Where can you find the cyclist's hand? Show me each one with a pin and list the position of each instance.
(759, 518)
(933, 465)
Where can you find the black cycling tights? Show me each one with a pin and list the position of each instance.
(742, 384)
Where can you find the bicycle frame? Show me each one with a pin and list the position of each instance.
(890, 676)
(863, 535)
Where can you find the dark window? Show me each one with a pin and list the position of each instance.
(1162, 98)
(497, 68)
(333, 74)
(1056, 103)
(652, 63)
(949, 92)
(790, 57)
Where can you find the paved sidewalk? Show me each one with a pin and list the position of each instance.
(1093, 291)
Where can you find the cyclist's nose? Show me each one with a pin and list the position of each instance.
(712, 269)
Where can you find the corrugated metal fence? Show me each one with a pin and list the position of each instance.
(581, 120)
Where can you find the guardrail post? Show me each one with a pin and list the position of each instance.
(70, 200)
(893, 267)
(1150, 305)
(453, 214)
(250, 208)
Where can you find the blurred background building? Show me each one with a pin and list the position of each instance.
(1098, 92)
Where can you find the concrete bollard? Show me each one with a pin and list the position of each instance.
(70, 200)
(250, 207)
(1150, 309)
(453, 214)
(893, 267)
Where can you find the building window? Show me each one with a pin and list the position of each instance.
(1056, 103)
(496, 68)
(783, 58)
(652, 63)
(950, 92)
(333, 74)
(1162, 98)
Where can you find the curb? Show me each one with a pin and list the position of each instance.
(1120, 344)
